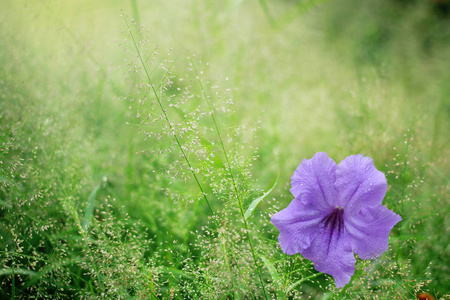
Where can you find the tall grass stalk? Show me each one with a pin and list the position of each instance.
(233, 180)
(177, 140)
(228, 166)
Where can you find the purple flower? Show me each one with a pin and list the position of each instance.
(336, 211)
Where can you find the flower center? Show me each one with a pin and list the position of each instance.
(334, 221)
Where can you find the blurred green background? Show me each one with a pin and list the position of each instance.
(343, 77)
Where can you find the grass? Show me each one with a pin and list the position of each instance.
(143, 159)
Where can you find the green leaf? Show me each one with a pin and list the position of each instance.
(255, 202)
(89, 213)
(275, 277)
(176, 272)
(272, 270)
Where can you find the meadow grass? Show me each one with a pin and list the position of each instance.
(144, 146)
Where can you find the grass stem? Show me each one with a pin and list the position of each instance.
(13, 283)
(150, 82)
(233, 180)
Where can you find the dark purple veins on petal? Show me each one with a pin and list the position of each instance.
(334, 223)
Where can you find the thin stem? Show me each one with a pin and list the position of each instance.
(135, 9)
(167, 119)
(266, 11)
(13, 283)
(292, 286)
(398, 282)
(227, 262)
(236, 190)
(402, 198)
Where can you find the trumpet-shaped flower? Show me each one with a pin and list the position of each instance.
(336, 212)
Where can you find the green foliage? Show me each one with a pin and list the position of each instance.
(146, 172)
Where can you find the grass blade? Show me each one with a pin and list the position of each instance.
(255, 202)
(275, 277)
(266, 11)
(292, 286)
(272, 270)
(90, 208)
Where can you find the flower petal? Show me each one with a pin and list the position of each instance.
(359, 183)
(297, 223)
(314, 181)
(369, 229)
(331, 253)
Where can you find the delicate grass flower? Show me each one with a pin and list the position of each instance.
(336, 212)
